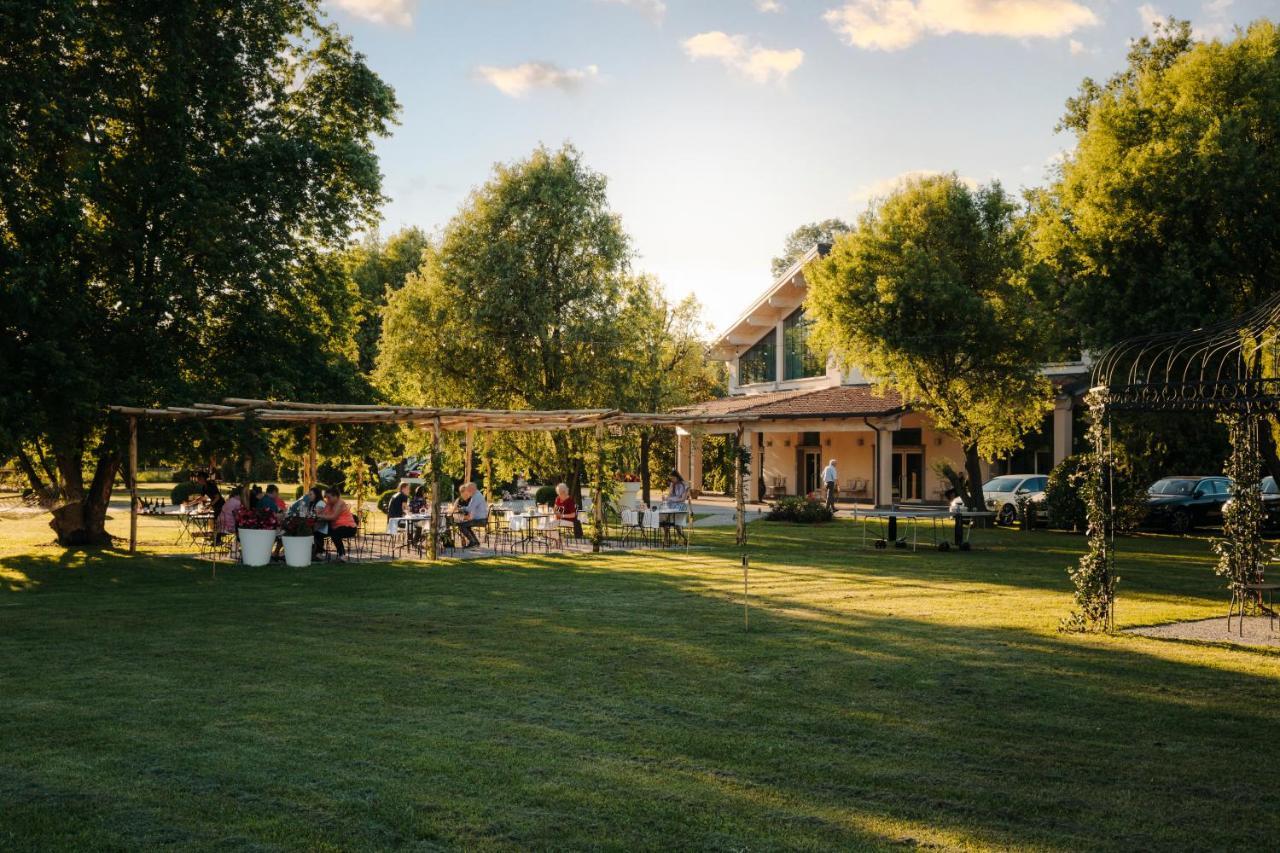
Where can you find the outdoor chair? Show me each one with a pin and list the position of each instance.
(630, 525)
(651, 528)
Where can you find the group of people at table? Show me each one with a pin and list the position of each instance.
(333, 516)
(336, 522)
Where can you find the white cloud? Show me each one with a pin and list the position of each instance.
(868, 193)
(515, 81)
(655, 9)
(392, 12)
(1079, 48)
(768, 6)
(737, 52)
(1216, 23)
(896, 24)
(1150, 16)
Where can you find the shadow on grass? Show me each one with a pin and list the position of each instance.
(571, 701)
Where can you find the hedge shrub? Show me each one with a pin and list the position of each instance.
(800, 511)
(183, 491)
(545, 495)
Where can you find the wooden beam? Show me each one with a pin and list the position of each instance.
(435, 487)
(466, 450)
(313, 473)
(133, 485)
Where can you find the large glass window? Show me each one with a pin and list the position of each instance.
(799, 359)
(760, 363)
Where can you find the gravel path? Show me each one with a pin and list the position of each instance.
(1257, 631)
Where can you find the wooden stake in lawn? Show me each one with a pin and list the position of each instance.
(746, 594)
(435, 486)
(133, 485)
(597, 495)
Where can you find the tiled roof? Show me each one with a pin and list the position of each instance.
(840, 401)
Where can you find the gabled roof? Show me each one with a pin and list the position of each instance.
(839, 401)
(785, 295)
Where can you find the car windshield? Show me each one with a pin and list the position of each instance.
(1173, 486)
(1002, 484)
(1269, 486)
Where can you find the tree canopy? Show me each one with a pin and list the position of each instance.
(176, 179)
(805, 238)
(930, 294)
(1167, 213)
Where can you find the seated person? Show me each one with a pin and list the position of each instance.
(398, 508)
(305, 506)
(270, 500)
(677, 491)
(227, 515)
(473, 512)
(418, 503)
(339, 521)
(566, 510)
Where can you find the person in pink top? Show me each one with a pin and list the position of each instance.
(227, 515)
(342, 524)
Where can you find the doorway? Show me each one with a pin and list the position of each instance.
(908, 475)
(811, 470)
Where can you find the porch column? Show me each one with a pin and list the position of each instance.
(884, 466)
(683, 456)
(1062, 411)
(695, 463)
(757, 465)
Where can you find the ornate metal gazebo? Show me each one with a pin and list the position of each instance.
(1230, 370)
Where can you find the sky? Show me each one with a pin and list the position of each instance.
(724, 124)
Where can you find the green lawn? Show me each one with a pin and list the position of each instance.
(880, 700)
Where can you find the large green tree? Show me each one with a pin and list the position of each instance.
(174, 181)
(1166, 214)
(379, 267)
(930, 294)
(804, 238)
(518, 304)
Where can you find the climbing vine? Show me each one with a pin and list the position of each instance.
(1242, 554)
(1094, 576)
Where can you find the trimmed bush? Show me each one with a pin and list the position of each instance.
(545, 495)
(384, 500)
(1064, 501)
(183, 491)
(799, 511)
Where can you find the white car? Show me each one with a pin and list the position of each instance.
(1003, 493)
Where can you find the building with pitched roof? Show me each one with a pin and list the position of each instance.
(799, 410)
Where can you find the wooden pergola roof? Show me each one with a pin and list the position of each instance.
(284, 413)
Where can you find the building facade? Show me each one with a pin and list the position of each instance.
(799, 410)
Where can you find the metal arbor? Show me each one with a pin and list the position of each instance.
(1230, 370)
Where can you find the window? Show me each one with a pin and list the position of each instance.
(760, 363)
(908, 437)
(810, 439)
(799, 359)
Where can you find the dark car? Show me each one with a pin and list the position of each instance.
(1270, 502)
(1182, 503)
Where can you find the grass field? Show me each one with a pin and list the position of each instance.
(879, 700)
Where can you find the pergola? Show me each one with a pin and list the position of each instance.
(282, 414)
(1229, 370)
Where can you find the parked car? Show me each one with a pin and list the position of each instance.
(1270, 502)
(1182, 503)
(1003, 493)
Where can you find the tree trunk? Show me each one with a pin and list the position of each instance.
(973, 469)
(645, 440)
(82, 519)
(28, 467)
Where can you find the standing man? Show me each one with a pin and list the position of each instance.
(829, 478)
(397, 509)
(475, 513)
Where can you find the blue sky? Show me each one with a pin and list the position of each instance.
(723, 124)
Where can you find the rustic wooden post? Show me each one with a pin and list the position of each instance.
(133, 484)
(597, 494)
(313, 471)
(466, 450)
(737, 488)
(435, 486)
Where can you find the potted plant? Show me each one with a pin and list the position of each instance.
(630, 490)
(298, 538)
(257, 531)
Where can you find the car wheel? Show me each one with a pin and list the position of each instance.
(1008, 515)
(1180, 521)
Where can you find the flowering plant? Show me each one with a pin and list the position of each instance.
(627, 478)
(299, 525)
(255, 519)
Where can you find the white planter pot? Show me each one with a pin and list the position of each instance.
(255, 546)
(630, 494)
(297, 551)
